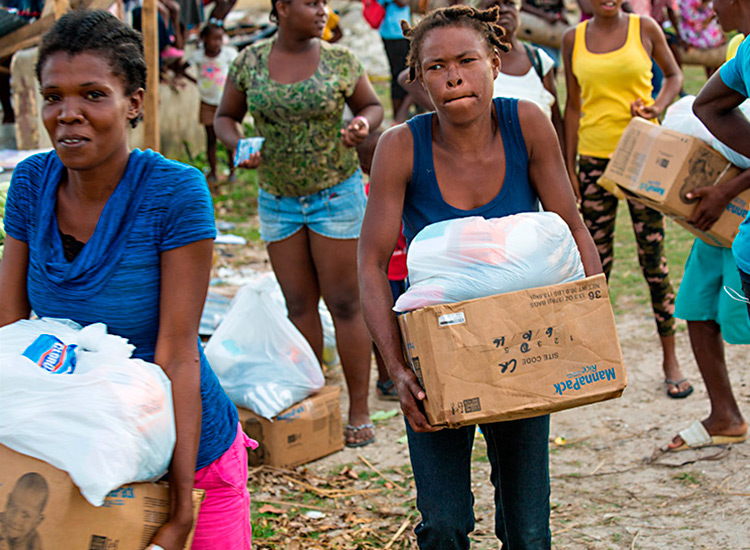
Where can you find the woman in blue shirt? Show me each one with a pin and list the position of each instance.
(99, 233)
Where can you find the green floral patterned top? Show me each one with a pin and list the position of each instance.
(301, 122)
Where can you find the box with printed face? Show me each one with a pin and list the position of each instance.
(515, 355)
(304, 432)
(41, 508)
(657, 167)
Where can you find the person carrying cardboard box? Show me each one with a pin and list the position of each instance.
(716, 105)
(474, 156)
(608, 62)
(99, 233)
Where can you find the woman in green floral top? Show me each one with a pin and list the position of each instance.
(311, 199)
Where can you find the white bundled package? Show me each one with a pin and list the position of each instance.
(467, 258)
(262, 360)
(76, 399)
(680, 118)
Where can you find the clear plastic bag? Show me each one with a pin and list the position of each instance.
(108, 423)
(262, 361)
(473, 257)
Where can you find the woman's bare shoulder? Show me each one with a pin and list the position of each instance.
(395, 152)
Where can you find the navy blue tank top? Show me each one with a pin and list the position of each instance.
(424, 204)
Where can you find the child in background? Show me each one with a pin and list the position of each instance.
(212, 60)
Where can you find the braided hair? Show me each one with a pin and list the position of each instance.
(483, 21)
(101, 33)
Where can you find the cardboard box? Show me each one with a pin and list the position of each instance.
(302, 433)
(128, 519)
(515, 355)
(657, 167)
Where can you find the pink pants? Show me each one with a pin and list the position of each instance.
(224, 518)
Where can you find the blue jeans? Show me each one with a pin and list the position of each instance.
(519, 456)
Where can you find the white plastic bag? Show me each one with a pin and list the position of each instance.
(108, 423)
(262, 361)
(680, 118)
(469, 258)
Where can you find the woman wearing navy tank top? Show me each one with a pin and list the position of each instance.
(472, 157)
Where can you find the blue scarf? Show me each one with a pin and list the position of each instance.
(96, 262)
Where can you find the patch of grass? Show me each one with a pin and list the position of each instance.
(263, 528)
(235, 201)
(312, 499)
(365, 475)
(627, 285)
(689, 479)
(694, 78)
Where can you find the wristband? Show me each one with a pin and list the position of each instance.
(364, 121)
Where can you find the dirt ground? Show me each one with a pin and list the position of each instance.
(611, 488)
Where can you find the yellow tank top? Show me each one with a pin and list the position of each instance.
(609, 83)
(733, 44)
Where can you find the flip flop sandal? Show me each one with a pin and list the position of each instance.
(678, 394)
(354, 430)
(387, 390)
(696, 437)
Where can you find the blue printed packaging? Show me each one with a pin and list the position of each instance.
(247, 147)
(52, 354)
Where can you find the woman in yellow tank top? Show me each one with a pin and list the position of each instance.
(608, 75)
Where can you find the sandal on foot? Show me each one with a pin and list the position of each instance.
(680, 394)
(354, 430)
(696, 436)
(387, 390)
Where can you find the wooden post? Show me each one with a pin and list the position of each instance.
(151, 46)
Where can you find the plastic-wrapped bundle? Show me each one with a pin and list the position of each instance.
(680, 118)
(469, 258)
(107, 423)
(262, 361)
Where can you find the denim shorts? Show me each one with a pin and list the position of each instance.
(335, 212)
